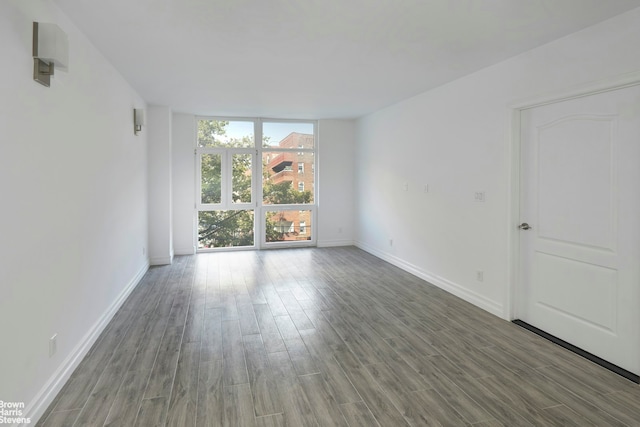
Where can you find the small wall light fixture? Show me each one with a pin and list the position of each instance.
(138, 120)
(50, 51)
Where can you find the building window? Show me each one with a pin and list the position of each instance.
(301, 186)
(300, 167)
(303, 227)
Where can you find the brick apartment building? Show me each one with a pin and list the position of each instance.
(296, 167)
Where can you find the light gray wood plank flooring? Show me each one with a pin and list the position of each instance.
(324, 337)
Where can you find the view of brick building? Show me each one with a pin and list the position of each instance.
(297, 168)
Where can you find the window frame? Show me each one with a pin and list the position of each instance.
(260, 209)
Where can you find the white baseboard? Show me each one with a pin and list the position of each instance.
(52, 387)
(161, 260)
(333, 243)
(188, 250)
(442, 283)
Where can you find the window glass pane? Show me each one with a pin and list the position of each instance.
(223, 229)
(283, 226)
(225, 133)
(288, 135)
(241, 180)
(282, 182)
(211, 172)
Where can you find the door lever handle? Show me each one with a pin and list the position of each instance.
(524, 226)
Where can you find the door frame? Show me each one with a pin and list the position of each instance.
(513, 294)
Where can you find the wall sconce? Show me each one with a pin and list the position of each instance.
(50, 50)
(138, 120)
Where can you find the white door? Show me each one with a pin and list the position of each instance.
(580, 194)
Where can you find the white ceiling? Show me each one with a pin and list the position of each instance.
(315, 58)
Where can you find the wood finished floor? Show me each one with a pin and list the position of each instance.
(324, 337)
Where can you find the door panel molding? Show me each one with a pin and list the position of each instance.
(599, 142)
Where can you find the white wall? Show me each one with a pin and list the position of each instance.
(73, 188)
(336, 165)
(336, 170)
(160, 190)
(184, 137)
(456, 138)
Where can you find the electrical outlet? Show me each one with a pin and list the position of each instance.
(390, 242)
(53, 345)
(339, 230)
(479, 196)
(144, 251)
(406, 186)
(426, 188)
(479, 275)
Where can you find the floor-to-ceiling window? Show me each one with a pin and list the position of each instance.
(255, 183)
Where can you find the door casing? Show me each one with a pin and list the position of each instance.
(513, 293)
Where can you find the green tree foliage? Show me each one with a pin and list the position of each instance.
(213, 134)
(283, 193)
(220, 229)
(210, 131)
(211, 167)
(273, 233)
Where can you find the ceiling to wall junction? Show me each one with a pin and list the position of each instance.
(315, 58)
